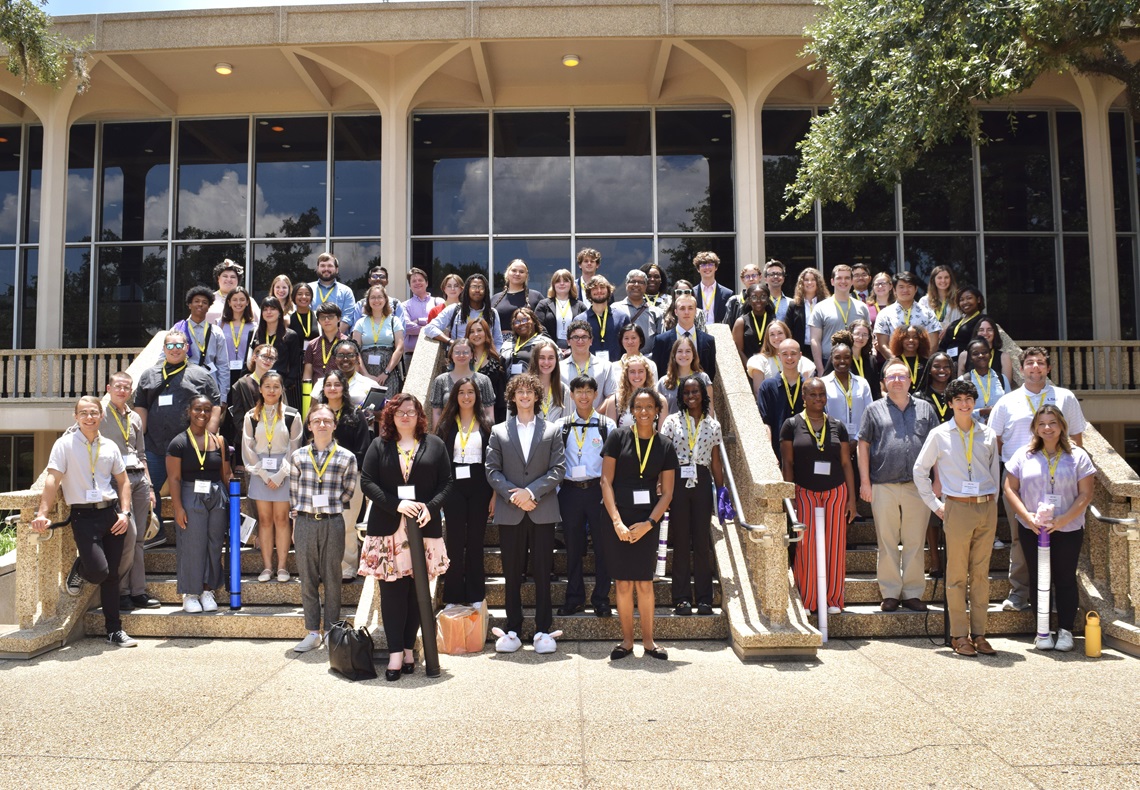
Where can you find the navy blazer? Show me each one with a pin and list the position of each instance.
(720, 302)
(706, 351)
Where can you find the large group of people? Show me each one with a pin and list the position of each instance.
(570, 407)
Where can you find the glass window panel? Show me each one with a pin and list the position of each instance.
(1078, 289)
(780, 130)
(131, 296)
(441, 258)
(938, 193)
(1123, 161)
(449, 174)
(35, 177)
(878, 252)
(1071, 165)
(676, 254)
(1126, 274)
(194, 265)
(874, 210)
(213, 179)
(25, 463)
(1021, 286)
(136, 180)
(30, 276)
(613, 172)
(543, 257)
(694, 171)
(7, 462)
(7, 296)
(77, 296)
(1017, 191)
(298, 261)
(9, 182)
(80, 181)
(618, 257)
(960, 253)
(291, 168)
(356, 176)
(532, 172)
(795, 252)
(355, 259)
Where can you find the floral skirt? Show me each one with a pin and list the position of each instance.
(387, 557)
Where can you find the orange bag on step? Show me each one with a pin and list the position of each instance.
(462, 629)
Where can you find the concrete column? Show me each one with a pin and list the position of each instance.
(748, 164)
(53, 206)
(395, 219)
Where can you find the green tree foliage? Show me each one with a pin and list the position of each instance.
(907, 75)
(35, 52)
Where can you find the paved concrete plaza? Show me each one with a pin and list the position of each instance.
(208, 713)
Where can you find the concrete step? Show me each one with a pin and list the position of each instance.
(863, 558)
(587, 627)
(864, 588)
(253, 592)
(864, 532)
(250, 622)
(867, 621)
(164, 560)
(493, 562)
(496, 591)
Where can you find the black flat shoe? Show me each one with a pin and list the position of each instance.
(704, 609)
(603, 610)
(657, 652)
(619, 652)
(571, 609)
(684, 609)
(409, 668)
(392, 675)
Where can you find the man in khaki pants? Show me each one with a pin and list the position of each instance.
(968, 460)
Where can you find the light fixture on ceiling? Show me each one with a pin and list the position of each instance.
(225, 69)
(571, 61)
(277, 128)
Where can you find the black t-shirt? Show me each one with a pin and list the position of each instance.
(940, 404)
(191, 466)
(627, 475)
(505, 305)
(805, 453)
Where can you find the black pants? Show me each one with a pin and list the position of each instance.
(581, 510)
(690, 515)
(399, 607)
(100, 553)
(1064, 553)
(513, 540)
(465, 517)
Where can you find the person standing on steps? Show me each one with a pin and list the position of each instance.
(782, 396)
(605, 319)
(832, 315)
(968, 462)
(93, 479)
(207, 346)
(711, 295)
(327, 290)
(582, 363)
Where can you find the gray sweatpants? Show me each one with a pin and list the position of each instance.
(200, 544)
(319, 547)
(132, 568)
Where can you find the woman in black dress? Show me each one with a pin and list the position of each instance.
(273, 330)
(635, 461)
(516, 293)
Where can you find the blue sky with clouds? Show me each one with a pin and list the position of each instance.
(66, 7)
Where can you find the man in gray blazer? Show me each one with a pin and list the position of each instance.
(525, 464)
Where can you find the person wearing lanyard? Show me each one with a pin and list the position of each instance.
(452, 321)
(582, 363)
(636, 372)
(605, 319)
(380, 335)
(749, 329)
(941, 297)
(637, 462)
(347, 357)
(238, 325)
(810, 289)
(555, 400)
(815, 454)
(936, 377)
(199, 471)
(87, 469)
(749, 276)
(696, 438)
(685, 308)
(683, 362)
(273, 331)
(1048, 485)
(525, 463)
(588, 260)
(972, 306)
(584, 431)
(207, 346)
(322, 477)
(656, 288)
(228, 276)
(986, 380)
(642, 313)
(714, 296)
(781, 396)
(833, 314)
(1011, 418)
(774, 274)
(301, 319)
(271, 432)
(460, 356)
(465, 428)
(903, 313)
(911, 345)
(558, 309)
(123, 427)
(519, 346)
(848, 395)
(416, 309)
(326, 290)
(987, 329)
(319, 351)
(968, 460)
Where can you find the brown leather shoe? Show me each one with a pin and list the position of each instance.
(963, 646)
(982, 646)
(915, 605)
(889, 604)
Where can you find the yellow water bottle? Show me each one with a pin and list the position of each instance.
(1092, 635)
(306, 397)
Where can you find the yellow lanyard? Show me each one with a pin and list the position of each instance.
(326, 357)
(942, 314)
(582, 371)
(93, 456)
(406, 458)
(843, 313)
(125, 429)
(271, 339)
(237, 335)
(708, 299)
(547, 402)
(846, 393)
(201, 344)
(463, 436)
(482, 359)
(760, 329)
(958, 325)
(270, 427)
(648, 448)
(906, 315)
(692, 432)
(308, 330)
(989, 384)
(581, 438)
(819, 440)
(320, 468)
(1035, 406)
(969, 445)
(166, 375)
(563, 312)
(325, 296)
(788, 391)
(520, 346)
(1053, 463)
(602, 324)
(859, 365)
(913, 372)
(205, 449)
(779, 301)
(942, 409)
(376, 330)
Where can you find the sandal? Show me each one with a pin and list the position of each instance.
(657, 652)
(620, 652)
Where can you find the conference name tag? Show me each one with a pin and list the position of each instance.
(236, 364)
(517, 368)
(269, 464)
(201, 486)
(165, 400)
(603, 355)
(970, 488)
(641, 496)
(130, 460)
(406, 492)
(689, 471)
(1053, 499)
(823, 468)
(578, 472)
(422, 321)
(373, 359)
(93, 495)
(952, 352)
(463, 472)
(320, 500)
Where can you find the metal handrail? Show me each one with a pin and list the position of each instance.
(1122, 527)
(757, 533)
(796, 528)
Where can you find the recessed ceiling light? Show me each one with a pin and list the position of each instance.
(264, 123)
(286, 145)
(714, 139)
(427, 142)
(225, 69)
(571, 60)
(3, 139)
(277, 128)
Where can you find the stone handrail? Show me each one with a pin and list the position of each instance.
(61, 373)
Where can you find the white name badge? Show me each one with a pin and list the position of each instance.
(93, 495)
(320, 500)
(236, 364)
(603, 355)
(201, 486)
(421, 321)
(1053, 499)
(406, 492)
(517, 368)
(578, 472)
(463, 472)
(970, 488)
(165, 400)
(373, 359)
(641, 497)
(823, 468)
(852, 429)
(269, 464)
(952, 352)
(130, 459)
(689, 471)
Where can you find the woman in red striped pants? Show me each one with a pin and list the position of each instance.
(815, 455)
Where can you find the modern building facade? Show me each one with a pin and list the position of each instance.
(457, 136)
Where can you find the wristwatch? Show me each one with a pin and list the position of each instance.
(655, 522)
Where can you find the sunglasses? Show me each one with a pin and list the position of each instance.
(173, 346)
(683, 292)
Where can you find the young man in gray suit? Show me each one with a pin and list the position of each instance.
(525, 464)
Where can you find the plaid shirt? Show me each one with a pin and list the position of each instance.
(340, 476)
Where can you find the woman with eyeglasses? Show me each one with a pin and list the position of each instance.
(460, 357)
(515, 295)
(518, 348)
(272, 330)
(380, 335)
(557, 310)
(882, 294)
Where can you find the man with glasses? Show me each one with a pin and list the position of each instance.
(774, 274)
(749, 276)
(319, 351)
(641, 312)
(347, 358)
(162, 400)
(713, 297)
(605, 320)
(326, 290)
(891, 436)
(685, 309)
(582, 363)
(861, 281)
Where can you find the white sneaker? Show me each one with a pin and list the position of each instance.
(207, 601)
(508, 642)
(1064, 640)
(282, 575)
(834, 610)
(544, 643)
(998, 544)
(310, 642)
(1045, 642)
(1012, 604)
(265, 575)
(191, 604)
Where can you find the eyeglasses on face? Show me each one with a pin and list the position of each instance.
(580, 338)
(683, 292)
(322, 421)
(346, 355)
(406, 415)
(173, 346)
